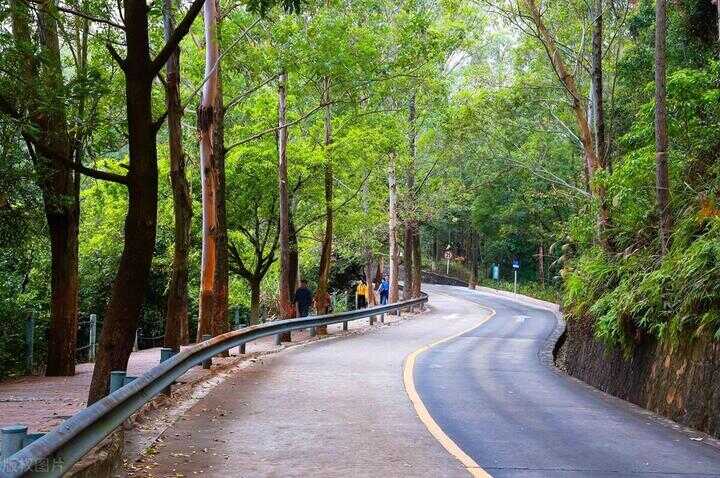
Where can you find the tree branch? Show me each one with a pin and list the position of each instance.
(217, 62)
(116, 56)
(90, 17)
(98, 174)
(273, 129)
(178, 34)
(237, 264)
(247, 93)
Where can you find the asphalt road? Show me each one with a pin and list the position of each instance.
(489, 392)
(342, 407)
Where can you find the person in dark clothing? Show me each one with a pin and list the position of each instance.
(302, 299)
(384, 290)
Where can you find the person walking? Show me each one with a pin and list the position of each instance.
(361, 294)
(302, 299)
(383, 289)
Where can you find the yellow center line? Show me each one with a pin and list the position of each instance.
(470, 465)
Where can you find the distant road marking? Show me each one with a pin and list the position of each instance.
(470, 465)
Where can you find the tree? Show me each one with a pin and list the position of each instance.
(578, 105)
(128, 292)
(598, 108)
(176, 323)
(51, 149)
(661, 129)
(393, 295)
(321, 294)
(286, 273)
(408, 286)
(209, 173)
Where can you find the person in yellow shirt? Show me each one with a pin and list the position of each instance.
(361, 294)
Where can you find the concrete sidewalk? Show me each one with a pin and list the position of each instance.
(42, 403)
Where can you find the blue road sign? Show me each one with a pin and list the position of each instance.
(516, 264)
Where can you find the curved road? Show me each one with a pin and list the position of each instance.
(490, 393)
(339, 407)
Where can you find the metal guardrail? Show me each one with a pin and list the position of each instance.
(56, 452)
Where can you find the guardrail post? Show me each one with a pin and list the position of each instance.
(313, 331)
(117, 380)
(207, 363)
(93, 337)
(11, 439)
(136, 345)
(29, 342)
(166, 353)
(345, 326)
(278, 339)
(382, 318)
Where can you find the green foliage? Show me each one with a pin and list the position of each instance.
(530, 289)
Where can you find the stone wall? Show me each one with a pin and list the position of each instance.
(681, 382)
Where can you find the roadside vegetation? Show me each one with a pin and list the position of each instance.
(177, 168)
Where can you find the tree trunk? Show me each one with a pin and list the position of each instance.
(369, 274)
(717, 4)
(254, 301)
(128, 292)
(379, 270)
(220, 322)
(393, 295)
(472, 259)
(294, 265)
(58, 184)
(176, 324)
(476, 262)
(541, 266)
(586, 137)
(284, 209)
(410, 228)
(597, 83)
(62, 208)
(321, 295)
(368, 269)
(416, 264)
(661, 131)
(208, 173)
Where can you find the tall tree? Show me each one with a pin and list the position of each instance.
(51, 148)
(206, 118)
(284, 287)
(416, 262)
(321, 302)
(128, 292)
(176, 323)
(567, 79)
(409, 223)
(598, 107)
(394, 259)
(220, 319)
(661, 129)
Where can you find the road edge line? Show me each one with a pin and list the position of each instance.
(470, 465)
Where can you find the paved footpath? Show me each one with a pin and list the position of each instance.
(336, 407)
(42, 403)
